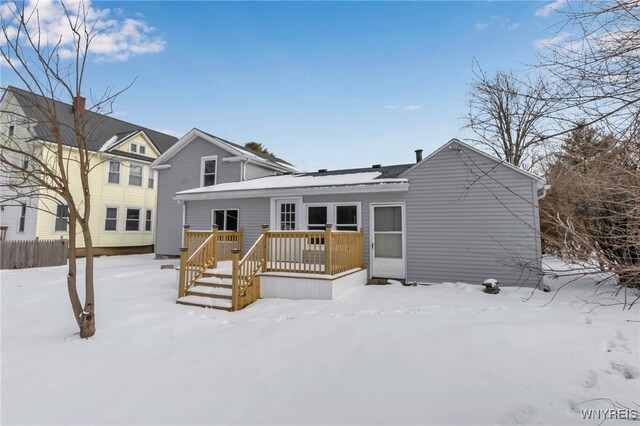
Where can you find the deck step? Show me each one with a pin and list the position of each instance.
(214, 282)
(212, 273)
(213, 292)
(205, 302)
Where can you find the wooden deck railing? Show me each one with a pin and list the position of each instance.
(245, 279)
(202, 250)
(314, 252)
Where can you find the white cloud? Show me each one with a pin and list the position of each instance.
(557, 40)
(392, 106)
(499, 21)
(116, 39)
(550, 7)
(413, 107)
(405, 107)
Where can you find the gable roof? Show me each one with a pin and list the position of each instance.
(100, 128)
(233, 148)
(455, 141)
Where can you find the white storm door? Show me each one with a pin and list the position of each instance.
(387, 241)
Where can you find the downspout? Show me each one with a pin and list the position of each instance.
(184, 220)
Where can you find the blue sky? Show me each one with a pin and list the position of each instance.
(323, 85)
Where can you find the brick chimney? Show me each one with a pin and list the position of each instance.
(79, 104)
(418, 155)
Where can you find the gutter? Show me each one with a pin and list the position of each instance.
(313, 190)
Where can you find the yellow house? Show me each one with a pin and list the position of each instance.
(123, 186)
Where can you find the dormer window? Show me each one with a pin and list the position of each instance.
(134, 148)
(208, 168)
(142, 150)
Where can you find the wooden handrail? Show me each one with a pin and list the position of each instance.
(245, 279)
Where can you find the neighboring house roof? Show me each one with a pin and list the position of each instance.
(240, 151)
(338, 181)
(101, 129)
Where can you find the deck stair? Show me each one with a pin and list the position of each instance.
(212, 290)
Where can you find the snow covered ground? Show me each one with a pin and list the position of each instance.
(440, 354)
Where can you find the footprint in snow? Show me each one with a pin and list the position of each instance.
(520, 416)
(627, 371)
(618, 344)
(591, 382)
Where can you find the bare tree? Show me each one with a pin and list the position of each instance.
(509, 117)
(49, 168)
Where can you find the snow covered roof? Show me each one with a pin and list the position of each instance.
(299, 183)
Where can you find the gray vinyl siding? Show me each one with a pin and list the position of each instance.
(185, 174)
(253, 212)
(253, 171)
(10, 217)
(469, 219)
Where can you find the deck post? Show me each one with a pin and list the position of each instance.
(214, 230)
(182, 287)
(235, 258)
(185, 235)
(361, 248)
(328, 248)
(265, 246)
(241, 240)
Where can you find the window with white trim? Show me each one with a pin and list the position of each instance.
(11, 127)
(111, 219)
(346, 217)
(23, 216)
(132, 222)
(317, 218)
(152, 176)
(25, 161)
(114, 172)
(227, 220)
(142, 150)
(208, 169)
(133, 147)
(62, 218)
(135, 174)
(147, 220)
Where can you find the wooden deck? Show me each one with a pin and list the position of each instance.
(310, 253)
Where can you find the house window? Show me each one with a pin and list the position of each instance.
(147, 221)
(23, 215)
(347, 218)
(142, 150)
(25, 161)
(316, 218)
(287, 216)
(114, 172)
(11, 125)
(62, 218)
(133, 147)
(227, 220)
(135, 175)
(111, 219)
(11, 131)
(151, 182)
(208, 168)
(133, 220)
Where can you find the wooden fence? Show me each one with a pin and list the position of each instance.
(33, 253)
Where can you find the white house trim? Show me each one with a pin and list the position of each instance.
(203, 160)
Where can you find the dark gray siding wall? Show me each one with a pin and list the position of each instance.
(185, 174)
(253, 171)
(470, 219)
(253, 213)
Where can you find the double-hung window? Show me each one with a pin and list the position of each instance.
(114, 172)
(208, 168)
(227, 220)
(62, 218)
(132, 222)
(135, 174)
(316, 218)
(152, 176)
(347, 217)
(147, 220)
(111, 219)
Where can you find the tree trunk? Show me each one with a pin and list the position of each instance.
(72, 275)
(88, 318)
